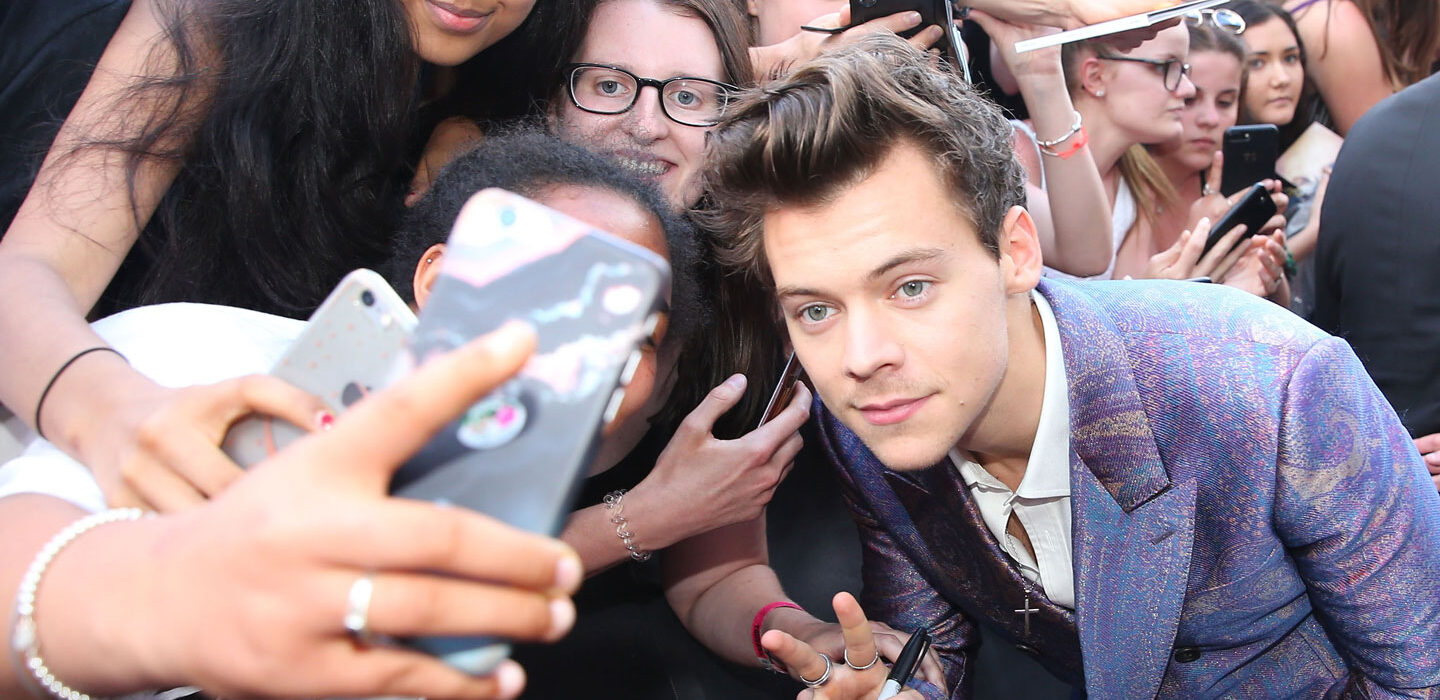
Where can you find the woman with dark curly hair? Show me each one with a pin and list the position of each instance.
(239, 152)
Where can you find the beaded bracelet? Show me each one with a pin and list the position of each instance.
(617, 518)
(24, 640)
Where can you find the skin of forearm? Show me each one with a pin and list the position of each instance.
(86, 632)
(651, 516)
(1081, 244)
(720, 618)
(36, 336)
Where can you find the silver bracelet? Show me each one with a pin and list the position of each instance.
(24, 641)
(617, 517)
(1074, 129)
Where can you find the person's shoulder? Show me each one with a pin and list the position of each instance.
(1201, 311)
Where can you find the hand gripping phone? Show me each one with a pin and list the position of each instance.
(521, 453)
(1250, 155)
(940, 13)
(348, 349)
(1253, 210)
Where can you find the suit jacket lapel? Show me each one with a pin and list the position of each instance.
(1133, 528)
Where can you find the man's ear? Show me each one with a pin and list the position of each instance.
(1020, 259)
(427, 269)
(752, 8)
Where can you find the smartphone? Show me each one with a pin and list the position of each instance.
(941, 13)
(347, 350)
(1115, 26)
(1253, 210)
(931, 12)
(1250, 155)
(521, 453)
(784, 389)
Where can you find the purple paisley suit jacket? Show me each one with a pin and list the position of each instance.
(1249, 517)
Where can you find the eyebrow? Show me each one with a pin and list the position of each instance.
(903, 258)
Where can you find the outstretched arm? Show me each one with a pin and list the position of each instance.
(246, 595)
(67, 240)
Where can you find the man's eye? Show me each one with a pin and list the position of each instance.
(815, 313)
(608, 87)
(913, 288)
(686, 98)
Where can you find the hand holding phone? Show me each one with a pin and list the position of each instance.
(1253, 210)
(520, 454)
(347, 350)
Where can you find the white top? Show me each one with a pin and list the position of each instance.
(1042, 503)
(1122, 213)
(175, 345)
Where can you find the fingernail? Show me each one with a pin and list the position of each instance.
(325, 419)
(568, 574)
(912, 17)
(736, 382)
(509, 679)
(562, 617)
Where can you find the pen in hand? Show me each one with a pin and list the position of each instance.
(904, 668)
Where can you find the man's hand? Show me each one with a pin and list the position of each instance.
(1429, 447)
(855, 638)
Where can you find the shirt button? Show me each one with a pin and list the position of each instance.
(1184, 655)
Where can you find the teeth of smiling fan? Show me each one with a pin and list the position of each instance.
(645, 167)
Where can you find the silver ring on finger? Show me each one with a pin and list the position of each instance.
(866, 666)
(357, 610)
(829, 666)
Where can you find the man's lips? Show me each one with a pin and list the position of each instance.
(892, 411)
(457, 19)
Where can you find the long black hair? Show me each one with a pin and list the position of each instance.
(289, 121)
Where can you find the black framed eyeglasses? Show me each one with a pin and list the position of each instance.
(601, 89)
(1224, 19)
(1171, 69)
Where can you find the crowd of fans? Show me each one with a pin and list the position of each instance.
(185, 179)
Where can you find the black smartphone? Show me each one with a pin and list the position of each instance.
(931, 12)
(521, 453)
(784, 389)
(941, 13)
(1253, 210)
(1250, 155)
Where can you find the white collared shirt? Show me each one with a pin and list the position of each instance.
(1042, 503)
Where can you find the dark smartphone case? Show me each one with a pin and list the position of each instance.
(931, 12)
(1253, 210)
(521, 453)
(1250, 155)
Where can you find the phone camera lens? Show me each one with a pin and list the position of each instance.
(367, 298)
(867, 3)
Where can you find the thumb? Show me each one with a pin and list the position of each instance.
(386, 429)
(720, 399)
